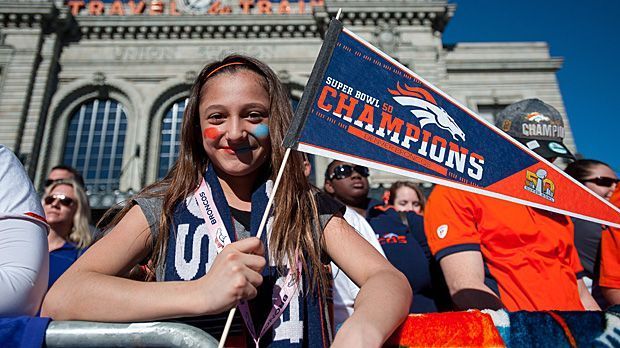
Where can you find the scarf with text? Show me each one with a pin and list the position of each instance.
(191, 253)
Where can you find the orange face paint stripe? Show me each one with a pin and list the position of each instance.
(210, 133)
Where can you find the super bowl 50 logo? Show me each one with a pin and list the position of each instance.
(539, 184)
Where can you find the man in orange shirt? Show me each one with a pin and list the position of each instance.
(497, 254)
(615, 197)
(609, 278)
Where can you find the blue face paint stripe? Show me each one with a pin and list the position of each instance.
(261, 131)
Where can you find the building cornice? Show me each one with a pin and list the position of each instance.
(26, 14)
(500, 56)
(488, 65)
(435, 14)
(199, 27)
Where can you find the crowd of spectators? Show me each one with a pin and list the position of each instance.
(457, 250)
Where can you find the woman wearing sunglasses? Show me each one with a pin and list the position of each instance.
(602, 180)
(67, 212)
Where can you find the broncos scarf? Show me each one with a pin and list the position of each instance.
(191, 253)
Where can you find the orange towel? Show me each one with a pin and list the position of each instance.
(451, 329)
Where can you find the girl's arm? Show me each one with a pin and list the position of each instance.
(385, 296)
(93, 287)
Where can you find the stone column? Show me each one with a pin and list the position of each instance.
(30, 54)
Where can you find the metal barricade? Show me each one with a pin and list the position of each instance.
(153, 334)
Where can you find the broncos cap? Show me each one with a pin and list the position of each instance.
(537, 125)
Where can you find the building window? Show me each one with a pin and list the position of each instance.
(170, 137)
(490, 111)
(95, 142)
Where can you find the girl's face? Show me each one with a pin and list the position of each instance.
(234, 111)
(601, 187)
(60, 205)
(406, 199)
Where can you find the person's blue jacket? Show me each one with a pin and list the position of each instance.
(401, 234)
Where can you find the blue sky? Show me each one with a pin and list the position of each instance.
(585, 34)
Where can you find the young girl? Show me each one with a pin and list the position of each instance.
(212, 200)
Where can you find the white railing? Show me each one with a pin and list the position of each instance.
(154, 334)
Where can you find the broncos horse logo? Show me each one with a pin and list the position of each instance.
(426, 109)
(537, 117)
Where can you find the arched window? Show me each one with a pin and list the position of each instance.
(170, 137)
(95, 142)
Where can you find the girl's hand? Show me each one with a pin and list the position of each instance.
(234, 276)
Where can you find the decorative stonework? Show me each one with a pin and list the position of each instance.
(393, 12)
(99, 78)
(27, 14)
(377, 17)
(98, 28)
(387, 38)
(24, 20)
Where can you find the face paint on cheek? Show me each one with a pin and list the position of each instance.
(210, 133)
(261, 131)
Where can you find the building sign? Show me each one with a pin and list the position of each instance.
(198, 7)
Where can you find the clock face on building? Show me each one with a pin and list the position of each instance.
(194, 6)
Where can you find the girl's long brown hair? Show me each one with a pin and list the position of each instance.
(296, 224)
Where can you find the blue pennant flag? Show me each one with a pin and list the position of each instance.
(362, 106)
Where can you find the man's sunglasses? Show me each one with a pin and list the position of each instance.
(64, 200)
(344, 171)
(603, 181)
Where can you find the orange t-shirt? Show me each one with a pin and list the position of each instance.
(529, 253)
(610, 258)
(610, 252)
(615, 197)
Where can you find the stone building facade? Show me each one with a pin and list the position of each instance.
(101, 84)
